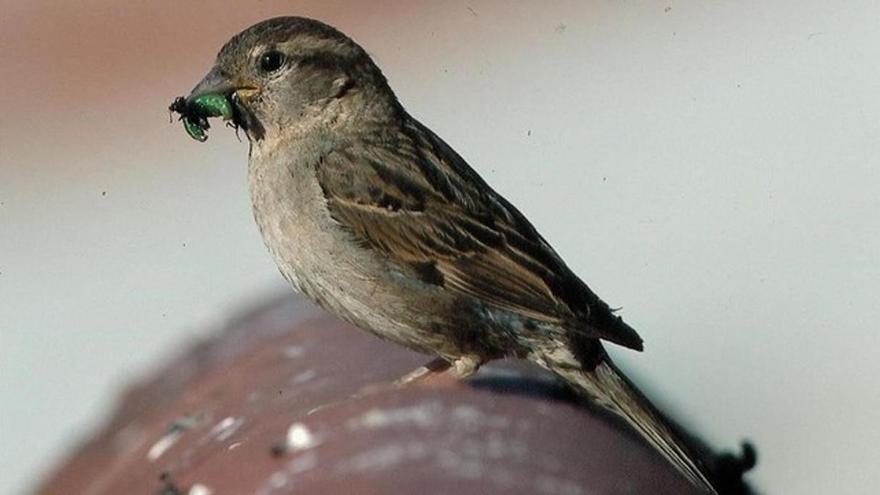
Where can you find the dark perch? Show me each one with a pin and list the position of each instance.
(267, 407)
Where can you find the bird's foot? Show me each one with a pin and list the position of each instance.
(459, 369)
(465, 366)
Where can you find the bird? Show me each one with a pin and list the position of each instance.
(373, 216)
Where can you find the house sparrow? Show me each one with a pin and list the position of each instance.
(372, 215)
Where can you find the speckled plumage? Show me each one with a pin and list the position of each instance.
(373, 216)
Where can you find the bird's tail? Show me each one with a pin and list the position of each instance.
(607, 387)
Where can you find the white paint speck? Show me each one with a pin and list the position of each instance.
(385, 457)
(304, 377)
(199, 489)
(163, 444)
(278, 480)
(423, 415)
(226, 428)
(471, 417)
(234, 446)
(316, 409)
(224, 424)
(294, 351)
(299, 438)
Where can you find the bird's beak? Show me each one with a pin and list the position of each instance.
(217, 83)
(213, 83)
(239, 95)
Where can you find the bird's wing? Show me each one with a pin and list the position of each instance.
(412, 198)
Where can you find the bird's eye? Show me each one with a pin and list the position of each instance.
(271, 61)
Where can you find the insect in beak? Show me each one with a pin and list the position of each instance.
(217, 96)
(194, 113)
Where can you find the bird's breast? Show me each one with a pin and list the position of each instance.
(316, 255)
(291, 214)
(323, 261)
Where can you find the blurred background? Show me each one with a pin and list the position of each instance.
(712, 167)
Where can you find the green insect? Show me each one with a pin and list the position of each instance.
(195, 113)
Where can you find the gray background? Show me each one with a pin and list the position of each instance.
(709, 166)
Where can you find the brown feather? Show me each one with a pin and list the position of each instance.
(414, 199)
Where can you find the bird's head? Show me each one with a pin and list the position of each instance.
(291, 73)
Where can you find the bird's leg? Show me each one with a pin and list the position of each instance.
(436, 365)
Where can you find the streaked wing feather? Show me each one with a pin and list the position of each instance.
(411, 197)
(414, 238)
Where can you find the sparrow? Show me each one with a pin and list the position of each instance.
(373, 216)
